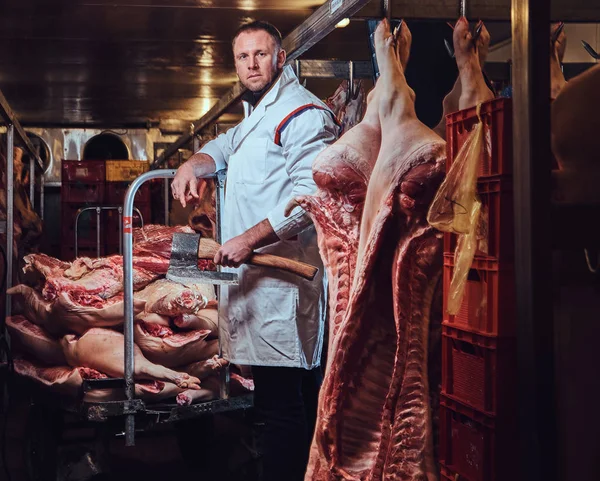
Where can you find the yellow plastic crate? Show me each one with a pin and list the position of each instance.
(124, 170)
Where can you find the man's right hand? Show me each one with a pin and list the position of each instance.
(185, 183)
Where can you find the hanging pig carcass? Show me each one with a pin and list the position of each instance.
(378, 400)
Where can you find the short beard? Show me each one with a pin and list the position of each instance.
(266, 84)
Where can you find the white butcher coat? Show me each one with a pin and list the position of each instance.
(274, 318)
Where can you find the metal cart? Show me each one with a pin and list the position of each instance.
(132, 406)
(105, 419)
(98, 209)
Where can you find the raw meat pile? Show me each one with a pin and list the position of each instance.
(377, 405)
(69, 326)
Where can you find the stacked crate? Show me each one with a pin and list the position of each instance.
(479, 376)
(82, 186)
(119, 175)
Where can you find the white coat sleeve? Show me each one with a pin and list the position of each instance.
(220, 148)
(302, 140)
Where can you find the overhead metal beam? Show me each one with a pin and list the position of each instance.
(533, 262)
(315, 28)
(334, 69)
(11, 119)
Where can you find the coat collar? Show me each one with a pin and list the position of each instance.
(254, 115)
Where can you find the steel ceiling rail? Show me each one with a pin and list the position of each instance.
(487, 10)
(334, 69)
(10, 118)
(312, 30)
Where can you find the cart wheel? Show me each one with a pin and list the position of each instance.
(196, 440)
(41, 443)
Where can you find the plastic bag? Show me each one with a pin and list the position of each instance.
(456, 208)
(463, 258)
(451, 209)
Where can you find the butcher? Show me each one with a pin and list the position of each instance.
(271, 321)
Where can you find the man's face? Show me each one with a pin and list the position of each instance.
(257, 59)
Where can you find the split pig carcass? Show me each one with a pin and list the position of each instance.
(378, 402)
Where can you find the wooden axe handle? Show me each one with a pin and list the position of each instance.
(208, 248)
(299, 268)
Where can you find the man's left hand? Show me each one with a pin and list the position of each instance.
(234, 252)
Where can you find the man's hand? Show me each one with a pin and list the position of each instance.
(234, 252)
(237, 250)
(185, 183)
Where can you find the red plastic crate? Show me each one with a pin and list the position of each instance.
(115, 193)
(475, 446)
(82, 193)
(488, 305)
(87, 171)
(479, 371)
(497, 240)
(497, 153)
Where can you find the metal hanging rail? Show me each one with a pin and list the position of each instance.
(487, 10)
(340, 69)
(311, 31)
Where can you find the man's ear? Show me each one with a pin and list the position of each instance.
(281, 58)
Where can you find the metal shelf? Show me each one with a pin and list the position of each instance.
(164, 413)
(180, 413)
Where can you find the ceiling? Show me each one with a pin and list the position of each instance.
(126, 62)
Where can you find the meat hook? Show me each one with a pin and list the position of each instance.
(557, 32)
(397, 30)
(475, 35)
(593, 270)
(589, 49)
(350, 94)
(357, 90)
(477, 31)
(449, 48)
(353, 85)
(291, 205)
